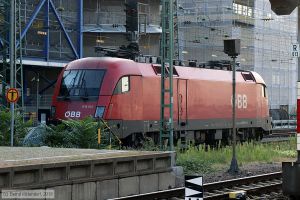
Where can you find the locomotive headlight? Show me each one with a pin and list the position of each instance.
(53, 111)
(99, 111)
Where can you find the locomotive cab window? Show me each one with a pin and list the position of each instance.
(123, 85)
(84, 83)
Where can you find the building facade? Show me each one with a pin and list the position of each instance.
(266, 41)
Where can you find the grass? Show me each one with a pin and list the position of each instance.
(200, 160)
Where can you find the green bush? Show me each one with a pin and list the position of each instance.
(81, 133)
(55, 135)
(21, 128)
(77, 134)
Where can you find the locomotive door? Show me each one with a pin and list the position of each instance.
(182, 101)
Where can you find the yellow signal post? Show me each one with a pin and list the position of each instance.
(99, 136)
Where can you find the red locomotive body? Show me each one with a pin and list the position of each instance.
(127, 95)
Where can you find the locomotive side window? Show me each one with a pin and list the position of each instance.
(123, 85)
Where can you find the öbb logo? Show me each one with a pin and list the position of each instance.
(241, 101)
(72, 114)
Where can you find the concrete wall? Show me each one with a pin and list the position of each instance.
(95, 179)
(114, 188)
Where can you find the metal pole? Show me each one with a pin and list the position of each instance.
(37, 96)
(21, 62)
(234, 165)
(80, 26)
(298, 96)
(12, 44)
(171, 55)
(167, 54)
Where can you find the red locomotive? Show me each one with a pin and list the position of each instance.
(127, 95)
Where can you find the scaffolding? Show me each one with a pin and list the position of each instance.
(4, 39)
(206, 23)
(178, 35)
(11, 49)
(52, 29)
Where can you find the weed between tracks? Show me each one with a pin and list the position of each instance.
(200, 160)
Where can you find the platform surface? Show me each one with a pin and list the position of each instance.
(21, 156)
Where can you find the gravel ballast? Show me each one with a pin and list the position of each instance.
(244, 171)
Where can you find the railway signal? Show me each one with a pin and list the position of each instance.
(283, 7)
(232, 49)
(194, 187)
(131, 15)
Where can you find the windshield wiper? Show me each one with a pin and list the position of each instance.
(83, 86)
(73, 82)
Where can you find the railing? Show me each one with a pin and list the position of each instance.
(30, 111)
(284, 124)
(96, 18)
(44, 100)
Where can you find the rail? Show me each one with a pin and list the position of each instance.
(220, 190)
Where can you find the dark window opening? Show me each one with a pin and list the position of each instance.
(81, 83)
(248, 76)
(157, 70)
(264, 91)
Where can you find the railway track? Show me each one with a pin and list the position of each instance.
(260, 184)
(278, 137)
(251, 185)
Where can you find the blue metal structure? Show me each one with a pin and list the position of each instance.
(80, 27)
(4, 31)
(48, 33)
(49, 7)
(1, 42)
